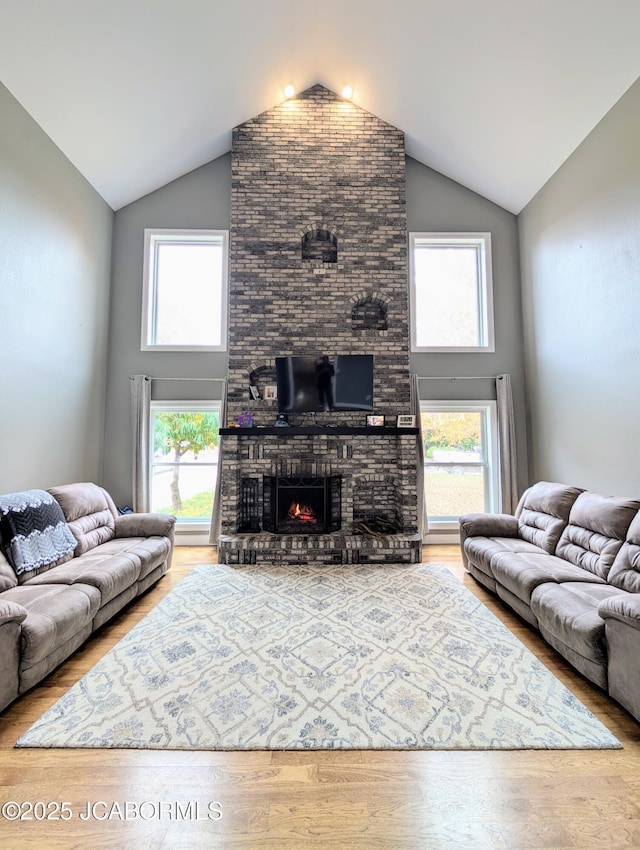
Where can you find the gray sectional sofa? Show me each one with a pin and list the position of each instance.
(48, 611)
(568, 562)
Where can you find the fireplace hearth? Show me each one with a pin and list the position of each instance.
(301, 504)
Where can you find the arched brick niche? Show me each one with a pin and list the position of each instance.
(369, 312)
(377, 504)
(262, 375)
(319, 244)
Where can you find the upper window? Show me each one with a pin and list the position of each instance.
(451, 292)
(185, 290)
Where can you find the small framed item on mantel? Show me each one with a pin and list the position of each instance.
(406, 420)
(375, 420)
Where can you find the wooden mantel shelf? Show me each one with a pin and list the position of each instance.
(304, 430)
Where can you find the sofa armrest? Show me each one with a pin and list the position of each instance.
(145, 525)
(489, 525)
(485, 525)
(11, 612)
(625, 608)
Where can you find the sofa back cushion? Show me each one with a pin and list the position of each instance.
(543, 513)
(597, 528)
(8, 578)
(89, 512)
(625, 572)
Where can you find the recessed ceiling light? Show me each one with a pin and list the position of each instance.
(289, 91)
(347, 92)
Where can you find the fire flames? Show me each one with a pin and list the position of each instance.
(301, 513)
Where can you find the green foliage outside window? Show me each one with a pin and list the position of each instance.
(179, 433)
(451, 430)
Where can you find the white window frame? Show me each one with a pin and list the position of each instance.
(153, 238)
(491, 464)
(182, 407)
(481, 242)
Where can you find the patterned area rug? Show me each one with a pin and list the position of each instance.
(317, 657)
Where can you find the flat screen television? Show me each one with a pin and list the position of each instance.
(325, 383)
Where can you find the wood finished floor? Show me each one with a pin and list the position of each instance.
(352, 800)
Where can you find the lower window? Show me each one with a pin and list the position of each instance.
(460, 460)
(184, 459)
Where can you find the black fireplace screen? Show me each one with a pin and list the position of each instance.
(301, 505)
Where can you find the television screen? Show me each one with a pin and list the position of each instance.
(325, 383)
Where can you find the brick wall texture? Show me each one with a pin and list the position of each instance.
(310, 176)
(317, 162)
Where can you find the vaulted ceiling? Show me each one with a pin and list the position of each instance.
(495, 94)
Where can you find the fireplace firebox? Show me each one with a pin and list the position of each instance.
(301, 504)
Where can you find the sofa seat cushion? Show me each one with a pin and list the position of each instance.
(597, 528)
(481, 550)
(150, 552)
(55, 613)
(89, 512)
(521, 573)
(112, 567)
(569, 612)
(108, 574)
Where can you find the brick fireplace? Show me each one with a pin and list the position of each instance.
(318, 265)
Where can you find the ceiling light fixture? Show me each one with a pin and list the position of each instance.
(289, 91)
(347, 92)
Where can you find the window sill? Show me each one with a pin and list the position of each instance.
(186, 525)
(192, 534)
(444, 525)
(462, 349)
(218, 348)
(441, 538)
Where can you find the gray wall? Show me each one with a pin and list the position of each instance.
(55, 242)
(202, 199)
(199, 199)
(436, 203)
(580, 247)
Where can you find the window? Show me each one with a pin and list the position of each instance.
(460, 459)
(451, 292)
(185, 290)
(184, 459)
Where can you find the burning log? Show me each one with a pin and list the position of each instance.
(302, 513)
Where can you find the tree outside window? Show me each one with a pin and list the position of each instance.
(185, 458)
